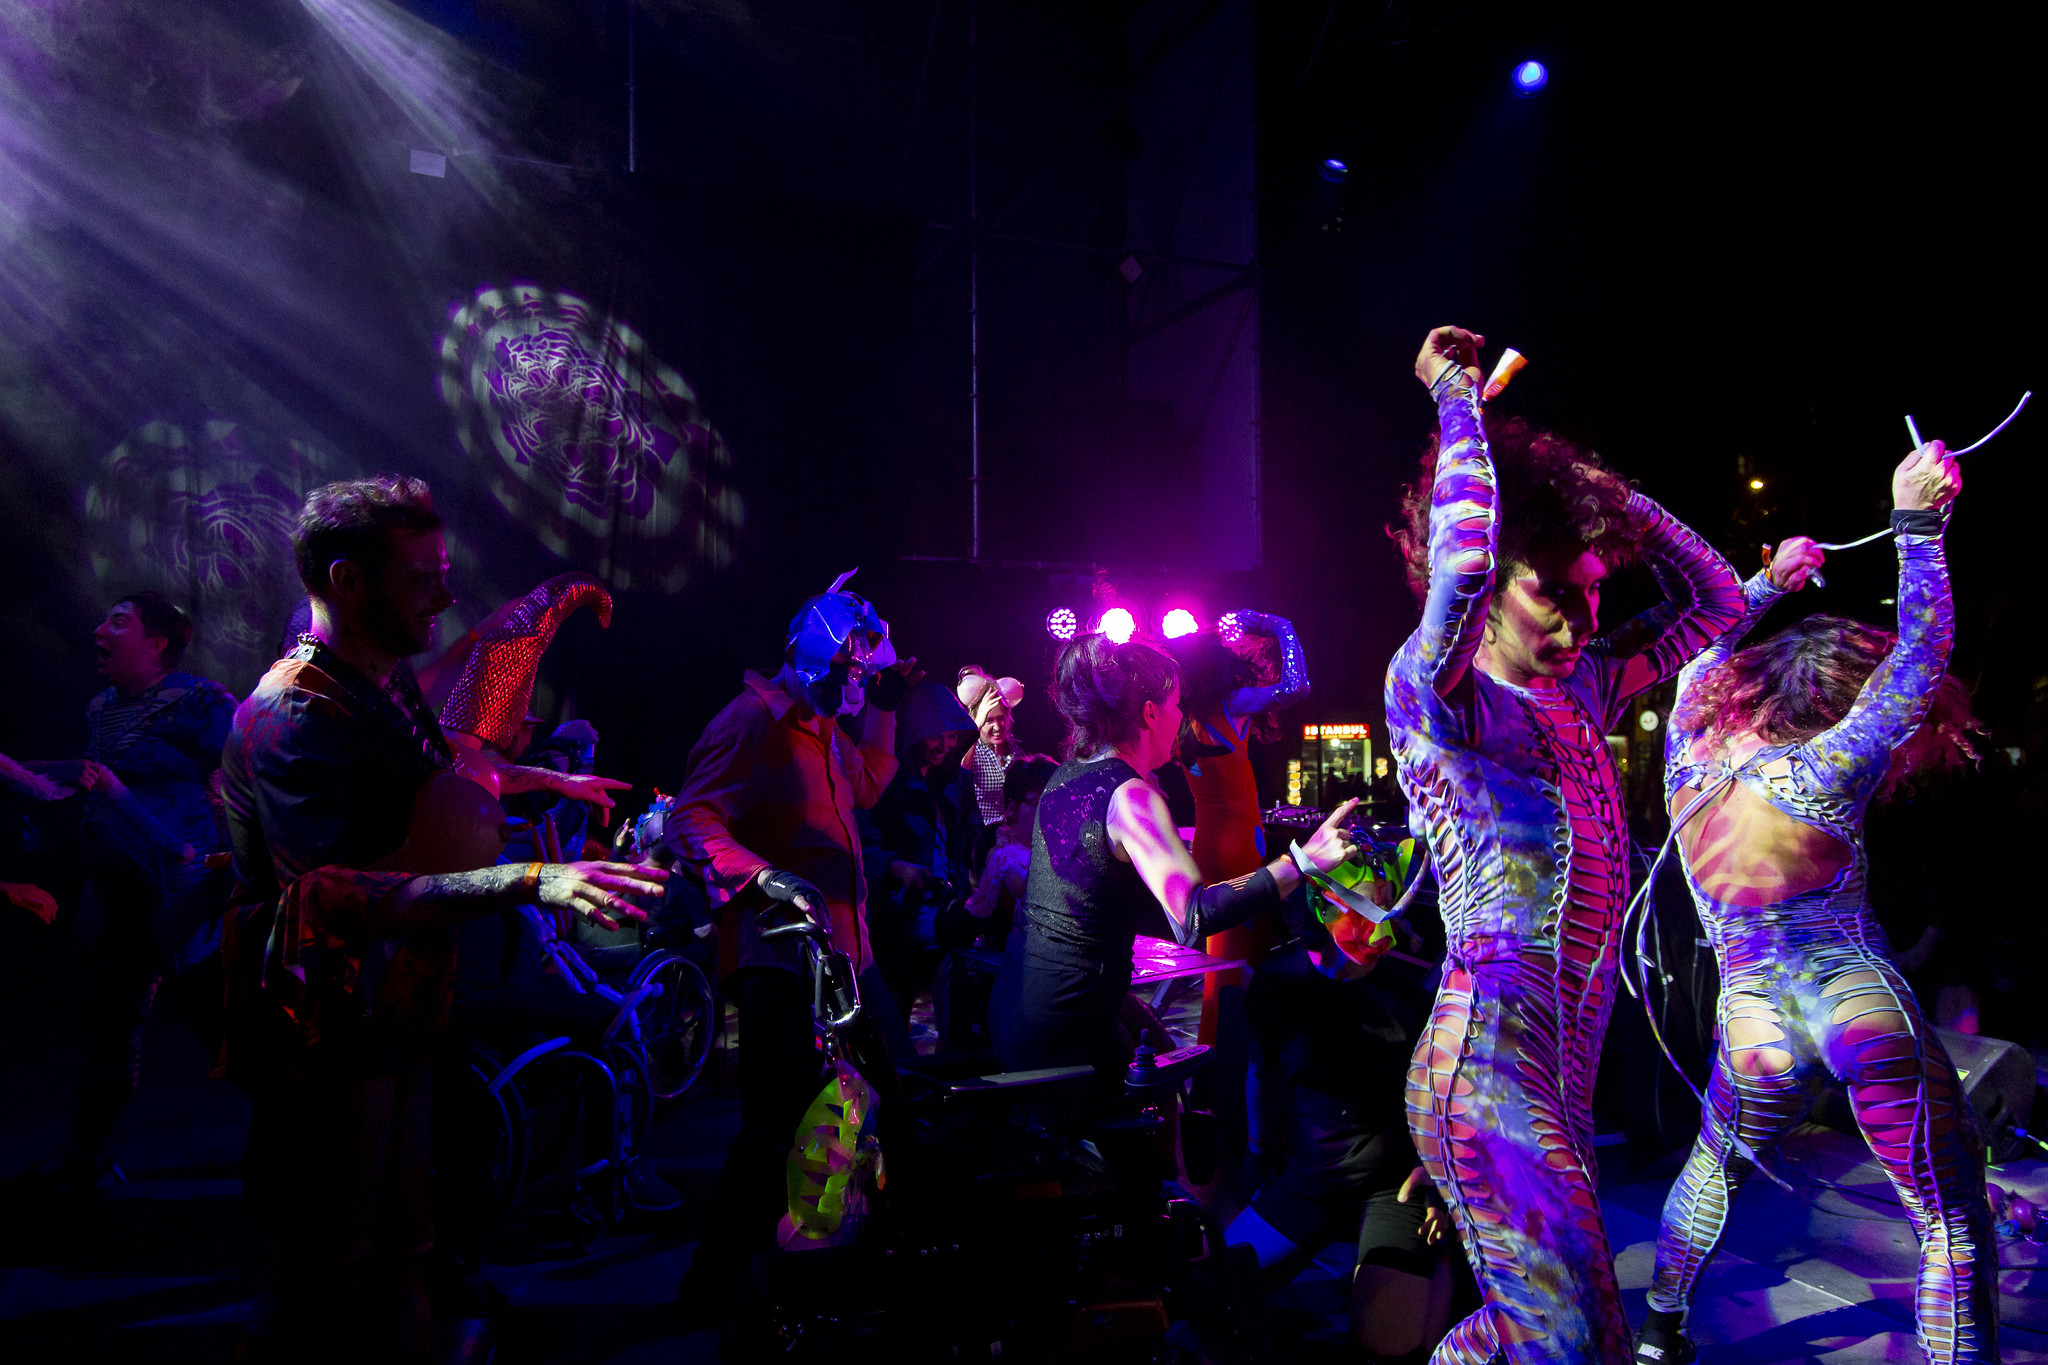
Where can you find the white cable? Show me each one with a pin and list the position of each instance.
(1874, 535)
(2001, 426)
(1914, 432)
(1646, 897)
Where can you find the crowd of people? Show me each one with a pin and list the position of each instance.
(325, 879)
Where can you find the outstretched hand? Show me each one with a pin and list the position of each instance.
(1445, 347)
(599, 891)
(588, 788)
(592, 790)
(1436, 1220)
(1332, 844)
(1926, 480)
(1795, 562)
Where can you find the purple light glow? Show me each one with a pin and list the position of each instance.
(587, 437)
(1180, 621)
(1530, 77)
(1061, 623)
(1119, 625)
(205, 516)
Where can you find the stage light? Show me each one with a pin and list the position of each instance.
(1756, 485)
(1061, 623)
(1228, 628)
(1334, 171)
(1118, 624)
(1530, 77)
(1180, 621)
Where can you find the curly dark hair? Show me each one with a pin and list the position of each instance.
(1554, 494)
(1101, 688)
(1805, 678)
(355, 520)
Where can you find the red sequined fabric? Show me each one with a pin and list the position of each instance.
(496, 685)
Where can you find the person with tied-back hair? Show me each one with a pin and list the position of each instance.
(1104, 852)
(1771, 759)
(1498, 706)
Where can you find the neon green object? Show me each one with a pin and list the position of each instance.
(1358, 872)
(836, 1160)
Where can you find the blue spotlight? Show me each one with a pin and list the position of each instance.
(1334, 171)
(1530, 77)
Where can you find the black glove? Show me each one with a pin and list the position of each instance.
(786, 887)
(888, 688)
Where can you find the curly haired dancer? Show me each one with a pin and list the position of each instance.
(1775, 752)
(1499, 705)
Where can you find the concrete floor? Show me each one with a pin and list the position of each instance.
(153, 1272)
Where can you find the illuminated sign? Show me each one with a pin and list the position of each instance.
(1358, 730)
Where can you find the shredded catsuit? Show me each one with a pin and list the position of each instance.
(1813, 973)
(1516, 793)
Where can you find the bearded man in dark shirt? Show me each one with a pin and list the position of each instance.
(340, 959)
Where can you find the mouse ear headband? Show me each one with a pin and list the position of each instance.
(980, 693)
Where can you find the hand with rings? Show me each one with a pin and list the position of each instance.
(600, 892)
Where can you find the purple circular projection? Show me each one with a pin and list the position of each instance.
(205, 517)
(587, 438)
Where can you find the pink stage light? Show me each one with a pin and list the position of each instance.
(1180, 621)
(1119, 625)
(1229, 629)
(1061, 623)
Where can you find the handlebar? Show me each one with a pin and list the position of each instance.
(835, 993)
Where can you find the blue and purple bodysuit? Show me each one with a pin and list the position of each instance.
(1809, 990)
(1516, 792)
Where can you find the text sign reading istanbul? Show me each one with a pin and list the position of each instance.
(1357, 730)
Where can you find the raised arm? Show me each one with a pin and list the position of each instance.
(1462, 526)
(1797, 562)
(1293, 684)
(1703, 601)
(1895, 698)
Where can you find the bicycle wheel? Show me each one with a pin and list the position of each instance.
(676, 1026)
(493, 1130)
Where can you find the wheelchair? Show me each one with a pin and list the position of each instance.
(1013, 1214)
(525, 1109)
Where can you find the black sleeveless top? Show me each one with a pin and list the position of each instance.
(1083, 904)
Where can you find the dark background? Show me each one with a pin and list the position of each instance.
(1736, 242)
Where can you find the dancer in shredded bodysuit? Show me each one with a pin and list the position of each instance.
(1777, 751)
(1499, 705)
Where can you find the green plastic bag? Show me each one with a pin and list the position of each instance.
(836, 1161)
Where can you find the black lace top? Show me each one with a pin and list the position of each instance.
(1082, 903)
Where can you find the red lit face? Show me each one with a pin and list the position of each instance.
(1362, 941)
